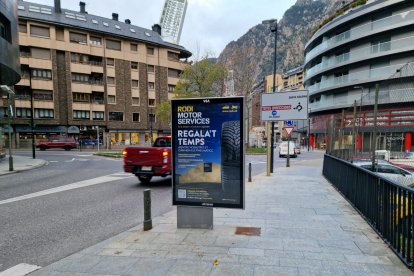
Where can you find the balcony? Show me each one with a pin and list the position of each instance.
(365, 30)
(398, 46)
(363, 76)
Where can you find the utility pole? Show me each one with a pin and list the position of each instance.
(374, 134)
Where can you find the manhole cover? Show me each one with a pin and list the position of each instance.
(248, 231)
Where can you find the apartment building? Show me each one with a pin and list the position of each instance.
(344, 61)
(293, 79)
(82, 72)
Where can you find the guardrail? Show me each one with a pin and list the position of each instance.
(385, 205)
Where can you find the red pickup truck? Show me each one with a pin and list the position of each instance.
(146, 162)
(66, 143)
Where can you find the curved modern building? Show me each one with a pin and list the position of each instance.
(9, 54)
(345, 59)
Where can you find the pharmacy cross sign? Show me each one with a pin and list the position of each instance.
(289, 130)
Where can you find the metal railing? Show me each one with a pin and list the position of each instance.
(385, 205)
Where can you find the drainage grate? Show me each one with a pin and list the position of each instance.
(248, 231)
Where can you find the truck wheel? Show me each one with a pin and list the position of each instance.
(145, 179)
(230, 158)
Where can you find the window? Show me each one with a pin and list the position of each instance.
(151, 118)
(111, 99)
(341, 77)
(77, 38)
(150, 51)
(151, 85)
(77, 77)
(79, 58)
(81, 97)
(60, 33)
(134, 47)
(134, 65)
(172, 56)
(113, 44)
(381, 45)
(151, 102)
(5, 29)
(22, 93)
(342, 56)
(81, 114)
(110, 80)
(151, 68)
(98, 115)
(97, 97)
(94, 40)
(41, 74)
(171, 88)
(135, 117)
(40, 53)
(116, 116)
(23, 27)
(173, 73)
(39, 31)
(43, 95)
(43, 113)
(23, 112)
(24, 51)
(134, 83)
(110, 62)
(135, 101)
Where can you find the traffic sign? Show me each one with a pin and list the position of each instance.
(289, 123)
(289, 130)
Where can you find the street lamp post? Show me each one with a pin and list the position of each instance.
(9, 115)
(32, 119)
(360, 112)
(273, 29)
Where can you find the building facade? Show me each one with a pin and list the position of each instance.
(172, 19)
(344, 61)
(293, 79)
(85, 75)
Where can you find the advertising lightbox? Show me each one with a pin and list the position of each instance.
(208, 153)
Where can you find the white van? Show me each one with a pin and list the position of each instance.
(283, 149)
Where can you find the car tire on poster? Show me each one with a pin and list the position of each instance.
(230, 157)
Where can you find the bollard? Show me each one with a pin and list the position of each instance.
(147, 210)
(250, 173)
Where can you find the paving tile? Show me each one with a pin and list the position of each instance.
(232, 241)
(366, 259)
(170, 238)
(197, 239)
(260, 260)
(275, 271)
(150, 266)
(229, 269)
(185, 267)
(116, 252)
(265, 243)
(113, 265)
(247, 251)
(292, 262)
(83, 264)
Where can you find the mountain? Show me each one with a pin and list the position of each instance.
(294, 30)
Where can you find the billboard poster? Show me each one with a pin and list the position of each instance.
(284, 106)
(208, 152)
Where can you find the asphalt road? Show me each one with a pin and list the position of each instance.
(78, 200)
(47, 228)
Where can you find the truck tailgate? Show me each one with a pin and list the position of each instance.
(144, 156)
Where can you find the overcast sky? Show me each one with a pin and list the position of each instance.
(209, 24)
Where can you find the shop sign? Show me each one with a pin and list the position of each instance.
(73, 130)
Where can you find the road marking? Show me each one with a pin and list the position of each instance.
(53, 161)
(20, 270)
(76, 185)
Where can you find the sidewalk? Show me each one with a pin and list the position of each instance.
(20, 163)
(306, 228)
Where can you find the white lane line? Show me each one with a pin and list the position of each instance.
(73, 159)
(76, 185)
(20, 270)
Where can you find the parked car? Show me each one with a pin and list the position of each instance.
(388, 171)
(283, 149)
(66, 143)
(90, 142)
